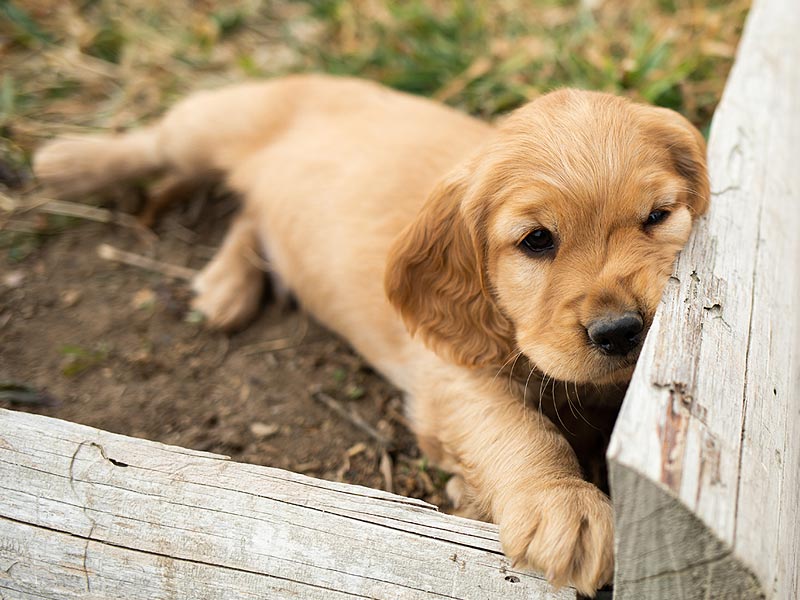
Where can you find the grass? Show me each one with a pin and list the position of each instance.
(77, 359)
(78, 66)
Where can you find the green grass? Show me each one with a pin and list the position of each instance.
(77, 359)
(488, 61)
(107, 64)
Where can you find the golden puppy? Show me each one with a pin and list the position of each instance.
(443, 248)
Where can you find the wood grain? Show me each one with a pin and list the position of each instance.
(705, 457)
(90, 514)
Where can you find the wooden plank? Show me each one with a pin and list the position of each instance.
(709, 433)
(91, 514)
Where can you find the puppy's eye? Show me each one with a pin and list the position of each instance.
(538, 241)
(656, 217)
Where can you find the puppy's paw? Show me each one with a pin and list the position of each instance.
(73, 166)
(227, 293)
(565, 530)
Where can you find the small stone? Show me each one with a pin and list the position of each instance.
(244, 392)
(14, 279)
(357, 449)
(308, 467)
(70, 297)
(141, 357)
(143, 299)
(262, 430)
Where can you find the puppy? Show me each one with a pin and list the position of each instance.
(443, 249)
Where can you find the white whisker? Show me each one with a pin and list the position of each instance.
(555, 406)
(503, 366)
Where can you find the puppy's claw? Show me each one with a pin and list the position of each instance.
(565, 530)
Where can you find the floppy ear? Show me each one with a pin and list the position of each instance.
(435, 278)
(687, 150)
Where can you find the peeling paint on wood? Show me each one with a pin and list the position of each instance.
(673, 445)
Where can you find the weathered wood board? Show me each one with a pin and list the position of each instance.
(90, 514)
(705, 457)
(704, 461)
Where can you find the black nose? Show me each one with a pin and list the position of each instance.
(616, 335)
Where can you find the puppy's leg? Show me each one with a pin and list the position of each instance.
(202, 137)
(74, 166)
(170, 190)
(229, 288)
(524, 476)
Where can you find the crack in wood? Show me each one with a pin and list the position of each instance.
(725, 190)
(687, 569)
(217, 565)
(750, 337)
(344, 513)
(85, 558)
(143, 530)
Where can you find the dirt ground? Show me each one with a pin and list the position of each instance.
(114, 347)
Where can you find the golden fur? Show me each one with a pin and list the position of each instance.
(348, 187)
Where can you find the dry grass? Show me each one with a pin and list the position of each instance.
(72, 66)
(109, 64)
(82, 65)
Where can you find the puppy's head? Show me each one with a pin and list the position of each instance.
(556, 239)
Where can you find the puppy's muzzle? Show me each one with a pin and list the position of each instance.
(616, 334)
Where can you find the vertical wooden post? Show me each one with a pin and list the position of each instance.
(705, 457)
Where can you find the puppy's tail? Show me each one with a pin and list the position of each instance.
(74, 166)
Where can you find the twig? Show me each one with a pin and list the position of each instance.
(353, 417)
(399, 417)
(17, 227)
(108, 252)
(7, 203)
(79, 211)
(386, 470)
(204, 252)
(184, 234)
(73, 209)
(93, 213)
(283, 343)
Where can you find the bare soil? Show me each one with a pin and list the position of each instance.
(115, 347)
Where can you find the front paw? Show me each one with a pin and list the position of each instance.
(564, 529)
(227, 294)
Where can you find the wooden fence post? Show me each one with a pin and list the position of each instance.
(705, 457)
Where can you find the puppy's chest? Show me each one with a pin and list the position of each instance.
(543, 393)
(585, 415)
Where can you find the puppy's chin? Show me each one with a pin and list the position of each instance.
(619, 375)
(587, 367)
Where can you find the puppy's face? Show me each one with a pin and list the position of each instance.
(568, 224)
